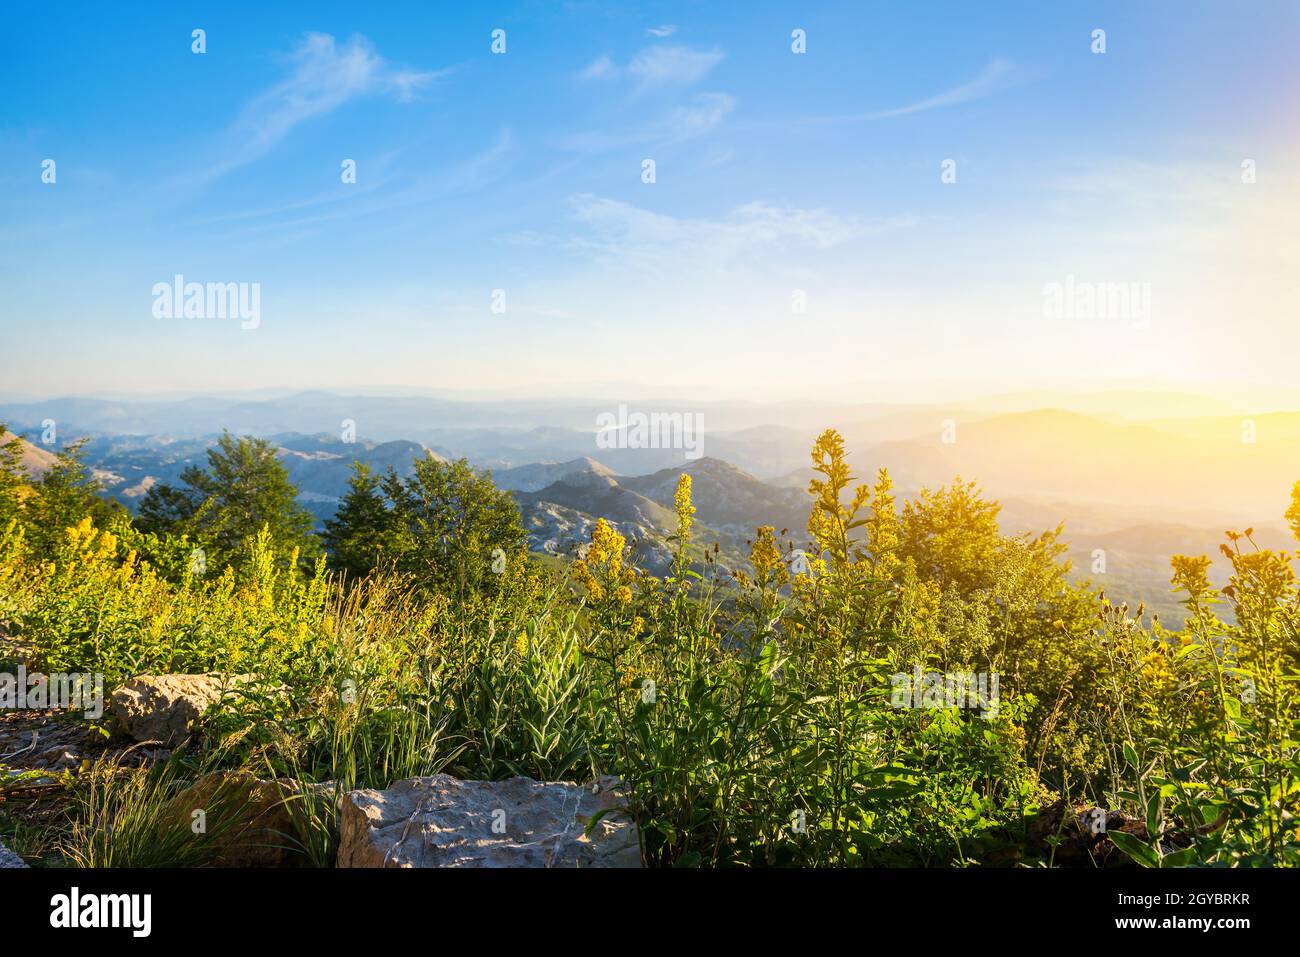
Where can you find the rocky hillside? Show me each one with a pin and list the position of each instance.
(35, 460)
(730, 503)
(535, 477)
(727, 498)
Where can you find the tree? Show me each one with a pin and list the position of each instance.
(355, 536)
(165, 508)
(452, 528)
(952, 536)
(13, 487)
(223, 507)
(64, 495)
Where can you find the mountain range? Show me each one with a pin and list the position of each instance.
(1136, 487)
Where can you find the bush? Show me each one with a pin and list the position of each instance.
(754, 717)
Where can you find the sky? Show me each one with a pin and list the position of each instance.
(925, 199)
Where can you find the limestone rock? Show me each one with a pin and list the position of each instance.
(8, 859)
(250, 822)
(163, 708)
(441, 821)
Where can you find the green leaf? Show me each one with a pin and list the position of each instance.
(1184, 858)
(1134, 848)
(1153, 815)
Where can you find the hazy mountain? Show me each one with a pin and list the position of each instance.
(1079, 458)
(1106, 404)
(319, 465)
(727, 498)
(601, 495)
(1140, 489)
(535, 477)
(1268, 426)
(559, 518)
(392, 417)
(1195, 460)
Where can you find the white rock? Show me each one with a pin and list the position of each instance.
(163, 708)
(441, 821)
(8, 859)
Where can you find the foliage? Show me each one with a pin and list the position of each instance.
(452, 529)
(354, 536)
(244, 490)
(754, 717)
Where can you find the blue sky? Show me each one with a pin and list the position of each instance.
(778, 175)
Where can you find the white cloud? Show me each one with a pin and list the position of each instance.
(700, 116)
(658, 65)
(667, 30)
(383, 191)
(704, 113)
(998, 75)
(601, 66)
(994, 77)
(619, 230)
(676, 64)
(632, 268)
(324, 77)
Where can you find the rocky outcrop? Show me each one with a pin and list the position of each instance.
(163, 708)
(441, 821)
(250, 822)
(8, 859)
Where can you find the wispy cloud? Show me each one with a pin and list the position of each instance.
(325, 76)
(667, 30)
(659, 65)
(998, 75)
(702, 114)
(620, 230)
(381, 193)
(740, 262)
(672, 64)
(597, 68)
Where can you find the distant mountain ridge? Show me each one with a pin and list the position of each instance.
(1139, 489)
(1193, 459)
(537, 476)
(726, 497)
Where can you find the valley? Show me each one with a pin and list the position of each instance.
(1129, 491)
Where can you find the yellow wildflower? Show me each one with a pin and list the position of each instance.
(1191, 574)
(1156, 669)
(765, 556)
(682, 504)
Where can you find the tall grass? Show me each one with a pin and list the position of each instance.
(748, 712)
(129, 817)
